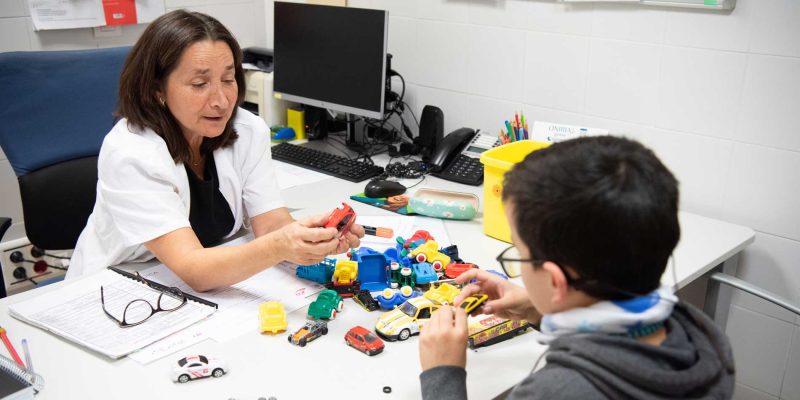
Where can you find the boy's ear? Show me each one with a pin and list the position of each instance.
(558, 282)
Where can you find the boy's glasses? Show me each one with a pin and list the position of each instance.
(139, 310)
(511, 262)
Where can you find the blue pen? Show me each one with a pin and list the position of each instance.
(28, 361)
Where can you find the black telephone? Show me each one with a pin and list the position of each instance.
(457, 158)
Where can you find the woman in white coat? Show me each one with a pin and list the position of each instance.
(184, 167)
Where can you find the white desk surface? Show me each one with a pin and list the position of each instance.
(265, 365)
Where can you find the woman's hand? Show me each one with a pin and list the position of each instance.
(506, 300)
(306, 242)
(443, 340)
(350, 239)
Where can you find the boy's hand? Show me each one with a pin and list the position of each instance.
(443, 340)
(506, 300)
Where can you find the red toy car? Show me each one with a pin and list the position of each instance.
(455, 269)
(363, 340)
(341, 218)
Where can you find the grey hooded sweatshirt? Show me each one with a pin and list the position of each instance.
(694, 362)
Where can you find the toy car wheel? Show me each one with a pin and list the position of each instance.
(324, 330)
(218, 372)
(369, 353)
(333, 315)
(421, 257)
(340, 306)
(437, 265)
(290, 338)
(183, 378)
(302, 342)
(404, 334)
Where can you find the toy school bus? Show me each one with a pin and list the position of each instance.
(491, 329)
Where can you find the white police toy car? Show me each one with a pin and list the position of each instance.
(195, 367)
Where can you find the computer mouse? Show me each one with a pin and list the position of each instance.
(380, 188)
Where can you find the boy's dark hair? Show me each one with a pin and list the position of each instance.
(603, 206)
(154, 56)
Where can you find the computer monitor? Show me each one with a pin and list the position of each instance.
(331, 57)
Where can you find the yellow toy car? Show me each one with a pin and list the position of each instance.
(272, 317)
(429, 252)
(345, 273)
(472, 302)
(405, 320)
(444, 294)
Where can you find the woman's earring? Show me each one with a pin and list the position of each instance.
(161, 99)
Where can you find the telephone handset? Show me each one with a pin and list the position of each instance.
(457, 158)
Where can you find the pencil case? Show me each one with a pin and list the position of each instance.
(444, 204)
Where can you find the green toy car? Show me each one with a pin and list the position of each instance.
(327, 304)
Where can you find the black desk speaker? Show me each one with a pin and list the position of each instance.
(431, 130)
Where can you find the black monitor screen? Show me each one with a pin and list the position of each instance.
(331, 57)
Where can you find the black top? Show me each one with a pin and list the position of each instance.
(209, 214)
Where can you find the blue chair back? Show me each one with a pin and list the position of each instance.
(58, 106)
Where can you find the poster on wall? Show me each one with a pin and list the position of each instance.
(71, 14)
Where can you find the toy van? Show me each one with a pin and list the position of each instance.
(492, 329)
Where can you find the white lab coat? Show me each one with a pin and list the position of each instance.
(143, 194)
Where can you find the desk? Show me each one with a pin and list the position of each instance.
(264, 366)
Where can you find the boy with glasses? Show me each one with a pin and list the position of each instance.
(594, 222)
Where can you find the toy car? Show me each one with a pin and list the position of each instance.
(341, 218)
(310, 331)
(364, 299)
(472, 302)
(272, 317)
(424, 273)
(455, 269)
(492, 329)
(391, 298)
(363, 340)
(429, 251)
(345, 273)
(327, 304)
(406, 320)
(321, 272)
(444, 294)
(195, 367)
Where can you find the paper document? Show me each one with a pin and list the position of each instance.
(74, 311)
(291, 175)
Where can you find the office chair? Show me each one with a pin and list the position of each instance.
(57, 108)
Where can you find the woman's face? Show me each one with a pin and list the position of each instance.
(201, 92)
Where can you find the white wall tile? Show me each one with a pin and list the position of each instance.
(699, 90)
(552, 16)
(701, 165)
(402, 47)
(489, 115)
(770, 263)
(396, 8)
(534, 113)
(14, 34)
(442, 10)
(775, 28)
(244, 20)
(510, 14)
(454, 105)
(442, 61)
(556, 70)
(710, 29)
(61, 39)
(495, 61)
(622, 80)
(770, 102)
(362, 4)
(791, 385)
(760, 348)
(13, 8)
(742, 392)
(761, 190)
(629, 22)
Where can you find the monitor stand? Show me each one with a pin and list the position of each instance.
(350, 139)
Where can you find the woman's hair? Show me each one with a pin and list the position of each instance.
(154, 56)
(605, 207)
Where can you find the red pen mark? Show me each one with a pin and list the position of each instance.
(300, 292)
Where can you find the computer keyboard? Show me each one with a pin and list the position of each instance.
(326, 163)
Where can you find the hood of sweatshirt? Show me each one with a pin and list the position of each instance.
(694, 361)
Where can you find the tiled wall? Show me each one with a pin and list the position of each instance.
(716, 95)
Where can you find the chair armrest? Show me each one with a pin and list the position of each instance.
(755, 291)
(5, 223)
